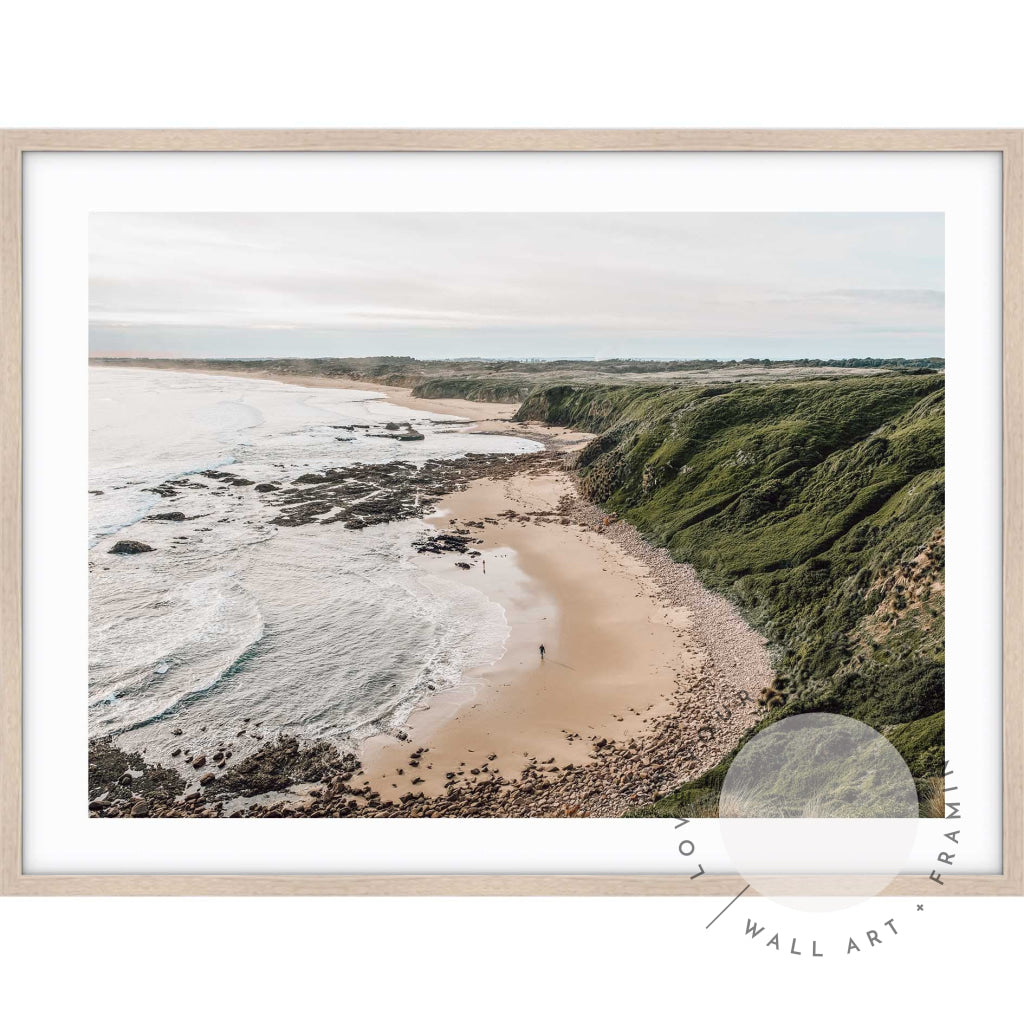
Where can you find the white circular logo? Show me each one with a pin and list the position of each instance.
(820, 796)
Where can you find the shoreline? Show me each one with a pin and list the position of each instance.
(537, 750)
(611, 653)
(640, 658)
(497, 418)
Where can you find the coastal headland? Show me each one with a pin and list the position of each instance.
(699, 549)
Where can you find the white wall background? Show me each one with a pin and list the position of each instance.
(501, 64)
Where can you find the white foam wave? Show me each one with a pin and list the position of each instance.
(315, 630)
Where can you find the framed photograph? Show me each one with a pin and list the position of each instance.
(512, 512)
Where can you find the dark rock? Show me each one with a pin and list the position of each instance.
(276, 766)
(363, 495)
(442, 543)
(140, 809)
(227, 478)
(199, 761)
(130, 547)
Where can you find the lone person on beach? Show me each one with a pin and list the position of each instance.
(541, 652)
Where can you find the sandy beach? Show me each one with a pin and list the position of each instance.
(648, 678)
(639, 657)
(612, 653)
(623, 649)
(615, 652)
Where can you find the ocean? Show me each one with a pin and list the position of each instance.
(314, 630)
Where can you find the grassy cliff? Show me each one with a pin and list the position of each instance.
(817, 506)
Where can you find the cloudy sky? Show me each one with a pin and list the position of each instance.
(730, 285)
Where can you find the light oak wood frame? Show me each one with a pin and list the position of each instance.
(14, 144)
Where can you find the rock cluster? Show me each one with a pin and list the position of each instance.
(400, 432)
(364, 495)
(278, 765)
(227, 478)
(444, 543)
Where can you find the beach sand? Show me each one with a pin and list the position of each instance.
(640, 657)
(614, 657)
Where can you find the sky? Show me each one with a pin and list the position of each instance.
(517, 285)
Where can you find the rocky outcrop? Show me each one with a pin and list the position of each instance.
(283, 763)
(130, 547)
(398, 432)
(364, 495)
(227, 478)
(117, 775)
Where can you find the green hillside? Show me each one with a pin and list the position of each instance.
(510, 380)
(816, 506)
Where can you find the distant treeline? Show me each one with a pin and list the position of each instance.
(817, 506)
